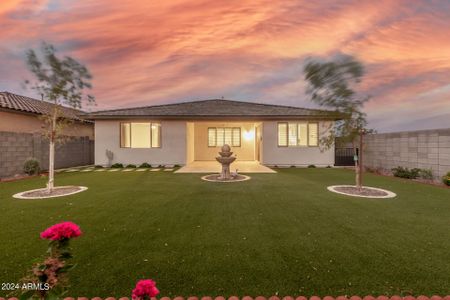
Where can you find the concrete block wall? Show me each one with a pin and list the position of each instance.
(16, 147)
(425, 149)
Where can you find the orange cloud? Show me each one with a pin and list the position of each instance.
(156, 52)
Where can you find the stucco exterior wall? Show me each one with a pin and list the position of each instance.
(245, 152)
(30, 123)
(272, 154)
(171, 152)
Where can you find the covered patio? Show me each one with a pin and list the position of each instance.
(214, 167)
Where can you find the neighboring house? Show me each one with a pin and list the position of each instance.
(181, 133)
(21, 135)
(21, 114)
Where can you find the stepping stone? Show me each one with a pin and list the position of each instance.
(113, 170)
(141, 170)
(72, 170)
(168, 170)
(100, 170)
(154, 170)
(128, 170)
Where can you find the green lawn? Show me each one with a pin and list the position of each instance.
(275, 234)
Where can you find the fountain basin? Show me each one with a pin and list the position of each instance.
(217, 178)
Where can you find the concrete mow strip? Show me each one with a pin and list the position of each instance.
(168, 170)
(154, 170)
(128, 170)
(141, 170)
(113, 170)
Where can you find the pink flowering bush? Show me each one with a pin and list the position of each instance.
(145, 289)
(52, 272)
(64, 230)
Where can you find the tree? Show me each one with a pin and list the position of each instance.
(60, 81)
(330, 84)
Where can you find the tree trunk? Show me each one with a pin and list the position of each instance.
(51, 155)
(357, 169)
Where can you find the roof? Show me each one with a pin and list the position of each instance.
(29, 105)
(214, 109)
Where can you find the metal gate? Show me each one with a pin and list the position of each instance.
(343, 157)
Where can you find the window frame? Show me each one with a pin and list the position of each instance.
(232, 136)
(296, 125)
(150, 132)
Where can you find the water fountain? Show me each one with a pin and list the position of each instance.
(225, 159)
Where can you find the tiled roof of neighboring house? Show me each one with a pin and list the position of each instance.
(215, 108)
(29, 105)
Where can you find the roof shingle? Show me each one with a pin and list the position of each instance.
(214, 108)
(30, 105)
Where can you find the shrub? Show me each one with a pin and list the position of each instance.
(426, 174)
(176, 166)
(405, 172)
(98, 167)
(117, 165)
(31, 166)
(446, 179)
(131, 166)
(328, 167)
(311, 166)
(52, 272)
(145, 165)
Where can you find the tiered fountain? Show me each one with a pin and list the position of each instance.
(225, 159)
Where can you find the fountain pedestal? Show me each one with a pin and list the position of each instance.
(225, 159)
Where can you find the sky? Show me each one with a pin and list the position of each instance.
(154, 52)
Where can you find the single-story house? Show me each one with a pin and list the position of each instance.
(21, 114)
(183, 133)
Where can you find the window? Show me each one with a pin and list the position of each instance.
(140, 135)
(282, 135)
(313, 137)
(219, 136)
(298, 134)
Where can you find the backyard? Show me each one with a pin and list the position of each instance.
(281, 234)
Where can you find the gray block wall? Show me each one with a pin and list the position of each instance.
(16, 147)
(425, 149)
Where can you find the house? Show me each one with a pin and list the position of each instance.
(189, 132)
(21, 136)
(21, 114)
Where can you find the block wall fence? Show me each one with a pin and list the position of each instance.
(16, 147)
(424, 149)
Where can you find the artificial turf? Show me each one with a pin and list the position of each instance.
(281, 234)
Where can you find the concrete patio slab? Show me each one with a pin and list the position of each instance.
(214, 167)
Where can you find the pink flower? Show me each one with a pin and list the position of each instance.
(146, 287)
(64, 230)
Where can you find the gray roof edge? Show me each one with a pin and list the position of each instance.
(206, 100)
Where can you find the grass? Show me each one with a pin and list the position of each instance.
(279, 234)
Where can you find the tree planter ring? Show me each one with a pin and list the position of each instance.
(59, 191)
(377, 193)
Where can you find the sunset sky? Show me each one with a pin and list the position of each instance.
(152, 52)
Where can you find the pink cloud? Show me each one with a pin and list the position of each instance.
(169, 51)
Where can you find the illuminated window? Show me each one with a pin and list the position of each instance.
(302, 138)
(313, 129)
(298, 134)
(125, 138)
(282, 134)
(219, 136)
(140, 135)
(212, 137)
